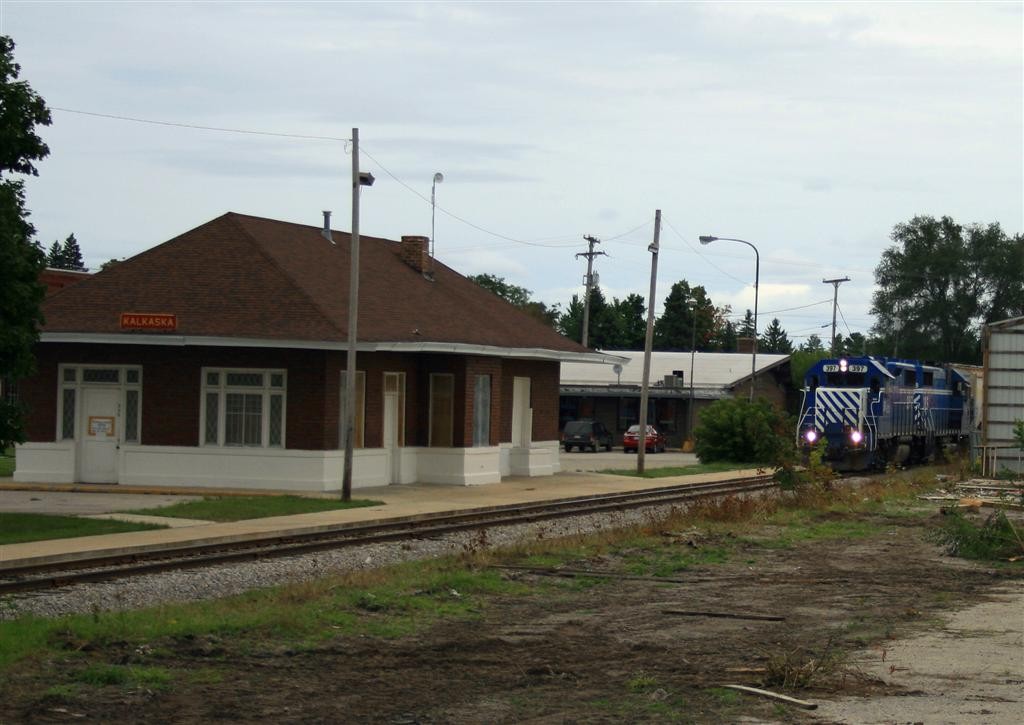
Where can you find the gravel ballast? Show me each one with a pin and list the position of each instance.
(190, 585)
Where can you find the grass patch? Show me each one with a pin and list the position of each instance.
(666, 562)
(683, 470)
(390, 602)
(241, 508)
(124, 675)
(17, 528)
(996, 538)
(7, 465)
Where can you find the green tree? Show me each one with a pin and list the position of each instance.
(674, 329)
(813, 344)
(21, 111)
(65, 256)
(775, 340)
(723, 333)
(855, 344)
(801, 361)
(746, 326)
(631, 319)
(511, 293)
(940, 281)
(570, 323)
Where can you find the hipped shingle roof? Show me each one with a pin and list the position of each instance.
(240, 276)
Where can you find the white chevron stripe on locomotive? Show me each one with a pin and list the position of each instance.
(836, 406)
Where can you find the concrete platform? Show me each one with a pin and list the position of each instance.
(398, 502)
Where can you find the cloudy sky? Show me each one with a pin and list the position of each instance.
(807, 129)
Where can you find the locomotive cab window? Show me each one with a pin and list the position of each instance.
(929, 378)
(849, 380)
(910, 377)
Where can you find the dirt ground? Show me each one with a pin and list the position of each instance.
(867, 610)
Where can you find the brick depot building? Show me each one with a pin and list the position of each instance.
(218, 359)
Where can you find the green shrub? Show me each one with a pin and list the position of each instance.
(744, 432)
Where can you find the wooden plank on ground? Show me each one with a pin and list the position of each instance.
(774, 696)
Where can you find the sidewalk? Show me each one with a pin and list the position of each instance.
(399, 502)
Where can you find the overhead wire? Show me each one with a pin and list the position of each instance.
(697, 252)
(398, 180)
(198, 127)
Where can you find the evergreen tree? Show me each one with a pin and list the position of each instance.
(775, 340)
(813, 344)
(71, 254)
(674, 330)
(570, 323)
(746, 327)
(54, 258)
(21, 294)
(65, 256)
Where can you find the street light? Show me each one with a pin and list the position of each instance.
(757, 276)
(438, 178)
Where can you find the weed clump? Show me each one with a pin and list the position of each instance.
(994, 539)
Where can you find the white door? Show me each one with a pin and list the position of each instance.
(522, 414)
(100, 435)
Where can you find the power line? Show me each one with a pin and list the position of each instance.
(687, 243)
(199, 127)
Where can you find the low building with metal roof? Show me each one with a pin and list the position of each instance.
(681, 385)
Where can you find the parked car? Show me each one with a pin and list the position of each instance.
(586, 434)
(654, 443)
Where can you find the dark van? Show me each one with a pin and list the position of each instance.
(586, 434)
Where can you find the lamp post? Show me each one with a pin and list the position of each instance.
(757, 276)
(438, 178)
(693, 352)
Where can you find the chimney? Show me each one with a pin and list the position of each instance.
(326, 231)
(745, 345)
(414, 253)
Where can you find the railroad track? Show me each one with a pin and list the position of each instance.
(28, 577)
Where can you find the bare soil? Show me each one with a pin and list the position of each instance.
(579, 651)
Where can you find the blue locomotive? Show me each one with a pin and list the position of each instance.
(872, 411)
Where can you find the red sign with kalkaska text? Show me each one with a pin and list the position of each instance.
(155, 321)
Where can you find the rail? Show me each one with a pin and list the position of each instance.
(27, 576)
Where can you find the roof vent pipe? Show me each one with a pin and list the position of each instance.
(326, 231)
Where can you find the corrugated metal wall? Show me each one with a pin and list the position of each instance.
(1004, 394)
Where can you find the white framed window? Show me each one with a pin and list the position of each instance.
(482, 411)
(442, 410)
(73, 377)
(243, 407)
(359, 434)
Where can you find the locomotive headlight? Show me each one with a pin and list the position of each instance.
(843, 364)
(810, 435)
(856, 437)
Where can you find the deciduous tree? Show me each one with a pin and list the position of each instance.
(940, 281)
(21, 111)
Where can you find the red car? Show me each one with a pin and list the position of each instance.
(654, 442)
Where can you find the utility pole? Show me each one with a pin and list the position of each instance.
(589, 254)
(654, 248)
(358, 180)
(835, 303)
